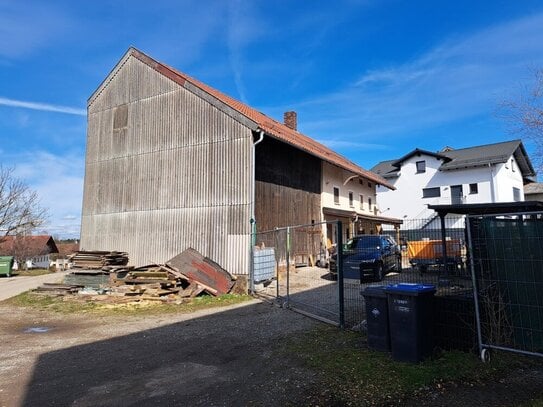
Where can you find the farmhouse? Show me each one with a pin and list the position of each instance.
(33, 251)
(172, 163)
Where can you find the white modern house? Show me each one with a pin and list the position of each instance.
(482, 174)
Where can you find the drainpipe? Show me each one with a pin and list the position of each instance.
(253, 220)
(492, 189)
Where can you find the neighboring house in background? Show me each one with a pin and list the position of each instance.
(29, 251)
(60, 261)
(533, 191)
(482, 174)
(172, 163)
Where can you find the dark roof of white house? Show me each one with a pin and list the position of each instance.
(471, 157)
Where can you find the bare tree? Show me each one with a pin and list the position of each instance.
(525, 115)
(20, 209)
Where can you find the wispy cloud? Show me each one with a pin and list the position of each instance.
(242, 29)
(42, 106)
(60, 190)
(461, 78)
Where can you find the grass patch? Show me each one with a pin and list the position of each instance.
(78, 304)
(31, 272)
(354, 375)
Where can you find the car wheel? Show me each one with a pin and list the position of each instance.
(318, 263)
(379, 272)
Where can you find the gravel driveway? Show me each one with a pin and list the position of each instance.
(208, 358)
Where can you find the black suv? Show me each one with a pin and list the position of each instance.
(368, 256)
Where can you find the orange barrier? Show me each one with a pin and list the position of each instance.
(432, 249)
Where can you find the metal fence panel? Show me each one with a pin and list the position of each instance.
(302, 280)
(315, 291)
(507, 268)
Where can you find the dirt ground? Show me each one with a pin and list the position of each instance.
(226, 357)
(208, 358)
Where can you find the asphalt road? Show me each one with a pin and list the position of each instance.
(12, 286)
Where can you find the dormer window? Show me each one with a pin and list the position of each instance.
(421, 167)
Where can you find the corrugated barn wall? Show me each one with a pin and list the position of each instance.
(165, 170)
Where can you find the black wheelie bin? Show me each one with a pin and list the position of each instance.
(410, 313)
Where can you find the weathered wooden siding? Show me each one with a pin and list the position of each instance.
(281, 164)
(280, 206)
(165, 170)
(288, 186)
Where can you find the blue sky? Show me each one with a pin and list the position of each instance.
(370, 79)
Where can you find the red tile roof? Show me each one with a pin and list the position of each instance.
(270, 126)
(65, 249)
(35, 245)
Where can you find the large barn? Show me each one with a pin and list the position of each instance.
(172, 163)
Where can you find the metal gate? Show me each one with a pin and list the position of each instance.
(291, 266)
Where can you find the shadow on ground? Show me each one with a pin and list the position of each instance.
(228, 358)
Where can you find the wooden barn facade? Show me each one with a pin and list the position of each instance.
(172, 163)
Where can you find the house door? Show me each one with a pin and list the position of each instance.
(456, 194)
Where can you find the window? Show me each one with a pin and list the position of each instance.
(431, 192)
(473, 189)
(336, 195)
(362, 202)
(369, 204)
(516, 194)
(369, 184)
(351, 199)
(120, 117)
(421, 166)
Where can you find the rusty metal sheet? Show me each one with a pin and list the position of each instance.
(202, 270)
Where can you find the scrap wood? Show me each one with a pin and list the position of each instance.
(57, 289)
(193, 290)
(169, 269)
(141, 280)
(202, 270)
(98, 259)
(147, 274)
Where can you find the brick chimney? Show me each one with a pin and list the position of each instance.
(290, 119)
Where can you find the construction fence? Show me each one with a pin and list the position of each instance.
(507, 270)
(294, 267)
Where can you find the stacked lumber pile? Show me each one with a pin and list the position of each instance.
(101, 260)
(105, 276)
(57, 289)
(156, 282)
